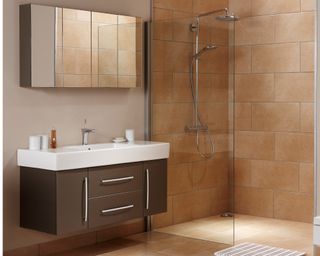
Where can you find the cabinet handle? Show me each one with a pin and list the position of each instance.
(110, 181)
(85, 182)
(148, 189)
(117, 209)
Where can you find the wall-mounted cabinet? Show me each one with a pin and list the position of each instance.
(62, 202)
(61, 47)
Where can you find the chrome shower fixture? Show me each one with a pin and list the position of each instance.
(226, 17)
(204, 49)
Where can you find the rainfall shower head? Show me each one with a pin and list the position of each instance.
(204, 49)
(227, 17)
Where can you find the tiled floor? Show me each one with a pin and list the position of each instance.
(150, 244)
(279, 233)
(199, 238)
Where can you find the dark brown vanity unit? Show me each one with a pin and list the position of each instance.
(61, 202)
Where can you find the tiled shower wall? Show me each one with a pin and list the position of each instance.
(274, 108)
(196, 187)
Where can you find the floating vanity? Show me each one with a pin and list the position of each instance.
(75, 188)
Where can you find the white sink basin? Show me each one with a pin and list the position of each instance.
(75, 157)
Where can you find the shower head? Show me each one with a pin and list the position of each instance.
(204, 49)
(227, 17)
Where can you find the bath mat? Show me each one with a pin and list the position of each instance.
(251, 249)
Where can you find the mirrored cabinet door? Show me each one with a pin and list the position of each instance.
(74, 54)
(62, 47)
(104, 50)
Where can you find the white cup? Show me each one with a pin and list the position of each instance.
(130, 135)
(44, 141)
(35, 142)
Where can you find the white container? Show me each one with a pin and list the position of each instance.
(130, 135)
(35, 142)
(44, 142)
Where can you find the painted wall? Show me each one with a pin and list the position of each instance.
(34, 111)
(274, 108)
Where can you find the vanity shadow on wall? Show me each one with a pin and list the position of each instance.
(62, 47)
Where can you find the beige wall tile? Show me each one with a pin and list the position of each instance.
(307, 56)
(181, 88)
(181, 27)
(254, 87)
(294, 147)
(220, 200)
(162, 87)
(185, 148)
(201, 6)
(294, 87)
(293, 206)
(275, 175)
(202, 208)
(308, 5)
(162, 14)
(179, 5)
(211, 173)
(254, 201)
(215, 115)
(242, 172)
(254, 30)
(171, 117)
(162, 25)
(276, 116)
(243, 59)
(243, 115)
(260, 7)
(215, 61)
(307, 117)
(241, 8)
(306, 178)
(276, 58)
(182, 207)
(164, 219)
(294, 27)
(179, 179)
(250, 145)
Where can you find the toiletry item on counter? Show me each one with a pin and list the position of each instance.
(119, 140)
(130, 135)
(35, 142)
(53, 138)
(44, 142)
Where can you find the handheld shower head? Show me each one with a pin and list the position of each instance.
(204, 49)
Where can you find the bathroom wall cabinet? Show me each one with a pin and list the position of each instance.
(61, 202)
(62, 47)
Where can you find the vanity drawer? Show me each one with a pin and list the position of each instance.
(115, 208)
(115, 179)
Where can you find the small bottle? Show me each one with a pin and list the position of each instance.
(53, 138)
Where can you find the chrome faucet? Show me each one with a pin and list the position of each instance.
(85, 135)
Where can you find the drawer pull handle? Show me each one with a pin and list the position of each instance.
(148, 189)
(110, 181)
(85, 182)
(117, 209)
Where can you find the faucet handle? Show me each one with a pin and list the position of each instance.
(88, 130)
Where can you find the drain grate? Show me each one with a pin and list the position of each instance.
(251, 249)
